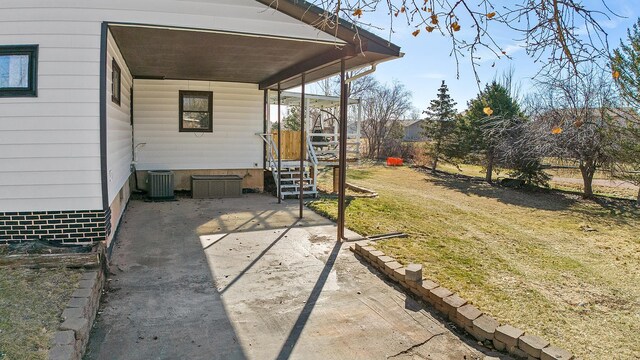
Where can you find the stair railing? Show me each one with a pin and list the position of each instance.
(272, 155)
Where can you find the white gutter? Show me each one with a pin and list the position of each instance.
(365, 73)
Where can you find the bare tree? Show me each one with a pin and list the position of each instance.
(561, 33)
(383, 106)
(517, 151)
(356, 89)
(331, 86)
(574, 121)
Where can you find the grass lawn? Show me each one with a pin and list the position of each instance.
(550, 263)
(31, 302)
(560, 180)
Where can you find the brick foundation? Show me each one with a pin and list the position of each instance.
(80, 226)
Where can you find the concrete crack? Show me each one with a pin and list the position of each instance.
(408, 350)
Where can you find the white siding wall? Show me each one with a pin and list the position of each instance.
(230, 15)
(119, 136)
(49, 145)
(237, 117)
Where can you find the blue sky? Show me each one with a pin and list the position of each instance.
(427, 61)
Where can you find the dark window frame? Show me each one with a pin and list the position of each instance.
(32, 52)
(209, 94)
(115, 70)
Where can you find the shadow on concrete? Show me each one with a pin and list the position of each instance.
(232, 218)
(300, 323)
(415, 304)
(161, 302)
(245, 278)
(254, 261)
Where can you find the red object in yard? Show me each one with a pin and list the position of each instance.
(392, 161)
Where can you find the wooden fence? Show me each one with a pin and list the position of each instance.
(290, 147)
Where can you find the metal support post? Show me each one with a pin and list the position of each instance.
(279, 146)
(302, 145)
(265, 128)
(342, 161)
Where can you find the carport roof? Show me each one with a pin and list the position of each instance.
(152, 51)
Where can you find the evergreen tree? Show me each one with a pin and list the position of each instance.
(626, 72)
(439, 126)
(489, 118)
(292, 120)
(626, 66)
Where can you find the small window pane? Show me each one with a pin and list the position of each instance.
(18, 70)
(115, 82)
(195, 102)
(195, 120)
(14, 71)
(196, 111)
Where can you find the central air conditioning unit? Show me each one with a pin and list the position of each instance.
(160, 184)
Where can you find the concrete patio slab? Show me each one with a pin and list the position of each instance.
(245, 279)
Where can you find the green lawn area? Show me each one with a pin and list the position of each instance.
(31, 302)
(551, 263)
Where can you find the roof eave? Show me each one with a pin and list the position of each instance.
(347, 31)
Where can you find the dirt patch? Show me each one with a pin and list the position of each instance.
(319, 239)
(43, 247)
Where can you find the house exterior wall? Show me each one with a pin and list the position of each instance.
(251, 178)
(413, 132)
(119, 137)
(247, 16)
(233, 144)
(116, 210)
(50, 144)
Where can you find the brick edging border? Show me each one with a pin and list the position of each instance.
(481, 326)
(70, 341)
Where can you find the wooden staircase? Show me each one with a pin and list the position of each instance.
(290, 179)
(290, 170)
(321, 150)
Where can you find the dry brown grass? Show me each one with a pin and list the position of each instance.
(551, 263)
(31, 302)
(562, 179)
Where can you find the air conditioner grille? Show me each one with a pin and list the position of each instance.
(160, 184)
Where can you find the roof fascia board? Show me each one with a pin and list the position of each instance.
(347, 31)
